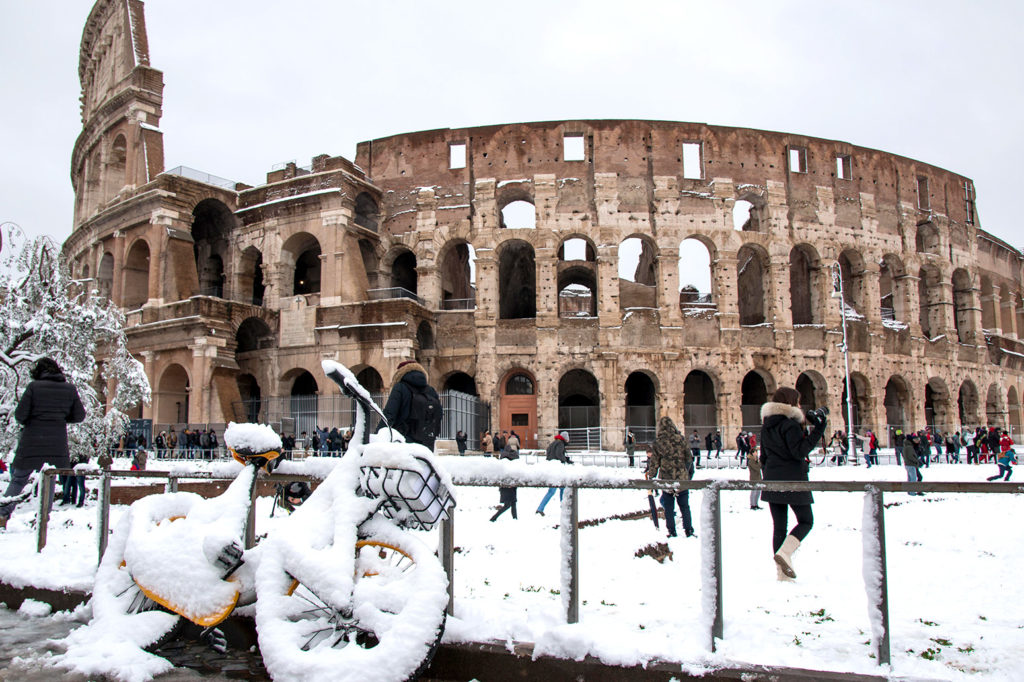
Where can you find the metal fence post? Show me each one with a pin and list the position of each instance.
(250, 520)
(570, 555)
(447, 549)
(172, 484)
(875, 574)
(103, 514)
(45, 500)
(712, 575)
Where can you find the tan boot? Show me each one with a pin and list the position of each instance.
(3, 522)
(784, 557)
(781, 575)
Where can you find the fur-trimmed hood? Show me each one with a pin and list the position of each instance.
(783, 410)
(405, 369)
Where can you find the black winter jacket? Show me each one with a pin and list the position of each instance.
(397, 410)
(785, 447)
(46, 407)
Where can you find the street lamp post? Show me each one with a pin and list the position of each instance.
(837, 278)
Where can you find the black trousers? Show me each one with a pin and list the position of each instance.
(780, 514)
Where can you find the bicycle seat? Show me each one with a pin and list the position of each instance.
(247, 456)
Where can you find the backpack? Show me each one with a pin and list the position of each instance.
(424, 422)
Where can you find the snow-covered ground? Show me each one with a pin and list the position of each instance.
(954, 578)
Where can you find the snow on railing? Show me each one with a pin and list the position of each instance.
(489, 472)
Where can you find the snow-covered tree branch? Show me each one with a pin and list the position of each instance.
(43, 312)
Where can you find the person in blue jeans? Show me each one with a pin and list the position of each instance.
(670, 460)
(1005, 461)
(555, 452)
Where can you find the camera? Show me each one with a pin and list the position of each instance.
(818, 416)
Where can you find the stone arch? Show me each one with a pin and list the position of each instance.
(929, 294)
(116, 176)
(212, 226)
(748, 211)
(251, 396)
(1013, 411)
(253, 334)
(1006, 311)
(424, 337)
(136, 275)
(301, 254)
(988, 306)
(1018, 304)
(994, 411)
(367, 213)
(105, 275)
(852, 270)
(696, 282)
(700, 403)
(251, 285)
(461, 382)
(458, 275)
(171, 400)
(813, 389)
(638, 285)
(641, 393)
(403, 272)
(518, 405)
(963, 305)
(370, 379)
(926, 239)
(751, 273)
(517, 280)
(579, 407)
(897, 408)
(756, 389)
(577, 247)
(861, 402)
(967, 405)
(303, 399)
(892, 288)
(516, 206)
(805, 284)
(368, 252)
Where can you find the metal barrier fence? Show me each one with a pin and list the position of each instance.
(711, 574)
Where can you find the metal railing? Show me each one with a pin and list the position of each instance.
(200, 176)
(711, 574)
(393, 292)
(458, 304)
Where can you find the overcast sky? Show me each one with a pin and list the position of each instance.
(250, 84)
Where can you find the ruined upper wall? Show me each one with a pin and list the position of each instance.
(644, 150)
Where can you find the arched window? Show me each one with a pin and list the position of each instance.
(136, 276)
(700, 404)
(303, 402)
(641, 407)
(105, 275)
(171, 402)
(963, 304)
(519, 384)
(930, 301)
(517, 279)
(306, 279)
(212, 224)
(249, 391)
(252, 334)
(638, 274)
(404, 275)
(519, 214)
(751, 267)
(754, 393)
(695, 282)
(367, 213)
(927, 238)
(579, 407)
(458, 277)
(892, 294)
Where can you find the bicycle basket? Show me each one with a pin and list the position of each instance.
(415, 498)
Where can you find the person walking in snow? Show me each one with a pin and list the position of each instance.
(670, 460)
(630, 445)
(555, 453)
(911, 459)
(47, 406)
(786, 446)
(754, 469)
(508, 495)
(413, 408)
(1005, 462)
(695, 448)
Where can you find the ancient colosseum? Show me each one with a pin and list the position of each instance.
(565, 274)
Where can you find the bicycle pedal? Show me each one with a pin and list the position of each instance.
(229, 556)
(215, 639)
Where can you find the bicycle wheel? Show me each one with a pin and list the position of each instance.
(116, 596)
(388, 629)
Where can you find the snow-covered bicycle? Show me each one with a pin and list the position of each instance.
(343, 589)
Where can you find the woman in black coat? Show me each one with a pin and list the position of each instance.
(46, 407)
(785, 448)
